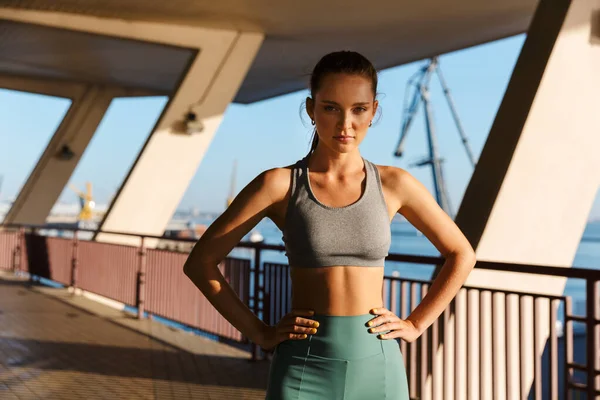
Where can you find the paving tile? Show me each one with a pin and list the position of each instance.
(54, 345)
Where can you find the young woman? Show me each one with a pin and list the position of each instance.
(335, 208)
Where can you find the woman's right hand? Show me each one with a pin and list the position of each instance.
(293, 326)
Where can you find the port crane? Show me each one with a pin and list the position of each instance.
(419, 83)
(86, 201)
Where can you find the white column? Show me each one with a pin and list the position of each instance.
(168, 161)
(51, 173)
(530, 196)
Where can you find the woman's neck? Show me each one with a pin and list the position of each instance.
(322, 160)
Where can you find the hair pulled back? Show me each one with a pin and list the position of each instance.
(347, 62)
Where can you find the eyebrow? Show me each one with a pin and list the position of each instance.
(364, 103)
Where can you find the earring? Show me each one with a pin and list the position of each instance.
(312, 121)
(371, 123)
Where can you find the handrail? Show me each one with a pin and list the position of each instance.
(268, 302)
(567, 272)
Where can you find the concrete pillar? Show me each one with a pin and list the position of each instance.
(159, 177)
(52, 172)
(531, 193)
(530, 196)
(161, 174)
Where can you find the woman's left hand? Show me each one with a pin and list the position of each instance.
(388, 321)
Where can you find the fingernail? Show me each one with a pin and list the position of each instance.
(313, 330)
(370, 330)
(303, 336)
(382, 336)
(370, 323)
(374, 310)
(316, 324)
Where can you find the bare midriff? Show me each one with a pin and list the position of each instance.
(337, 290)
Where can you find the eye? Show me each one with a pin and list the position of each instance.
(359, 110)
(329, 108)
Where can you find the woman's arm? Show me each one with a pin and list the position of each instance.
(422, 211)
(250, 206)
(407, 196)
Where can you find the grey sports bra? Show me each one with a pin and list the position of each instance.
(316, 235)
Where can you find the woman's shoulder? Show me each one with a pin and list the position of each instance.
(401, 183)
(392, 177)
(277, 181)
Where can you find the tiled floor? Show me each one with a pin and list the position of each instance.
(55, 345)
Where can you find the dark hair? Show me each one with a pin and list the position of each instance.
(348, 62)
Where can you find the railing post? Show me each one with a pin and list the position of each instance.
(596, 314)
(21, 250)
(74, 260)
(141, 280)
(17, 255)
(33, 232)
(568, 335)
(256, 294)
(592, 299)
(267, 309)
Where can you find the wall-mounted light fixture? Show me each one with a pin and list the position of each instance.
(189, 125)
(65, 153)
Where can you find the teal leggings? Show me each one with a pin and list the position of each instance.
(341, 361)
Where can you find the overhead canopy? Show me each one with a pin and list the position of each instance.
(50, 53)
(389, 32)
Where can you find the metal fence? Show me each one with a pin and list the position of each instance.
(489, 343)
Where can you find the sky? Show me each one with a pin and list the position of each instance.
(270, 133)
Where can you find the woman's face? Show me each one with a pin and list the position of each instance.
(342, 110)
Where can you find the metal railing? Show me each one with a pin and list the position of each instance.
(489, 343)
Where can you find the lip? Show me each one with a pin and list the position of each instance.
(343, 137)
